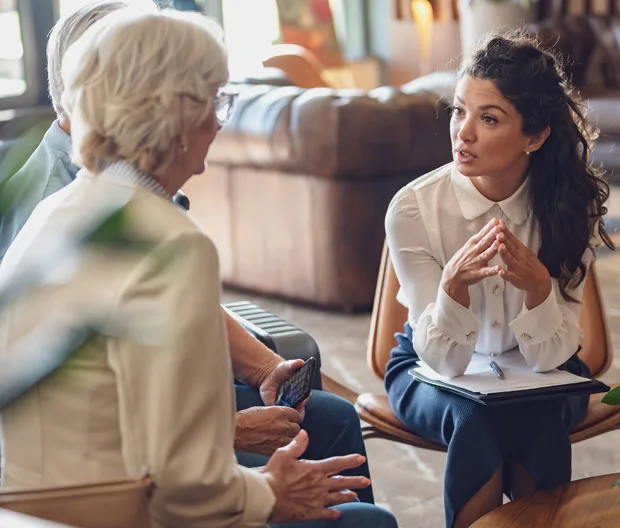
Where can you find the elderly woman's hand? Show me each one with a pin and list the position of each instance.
(262, 430)
(304, 489)
(522, 268)
(271, 384)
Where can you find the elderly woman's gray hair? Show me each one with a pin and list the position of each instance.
(136, 80)
(66, 31)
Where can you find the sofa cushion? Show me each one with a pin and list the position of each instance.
(340, 134)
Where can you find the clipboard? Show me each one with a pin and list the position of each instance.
(517, 396)
(520, 384)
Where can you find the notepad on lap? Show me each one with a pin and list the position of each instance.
(521, 383)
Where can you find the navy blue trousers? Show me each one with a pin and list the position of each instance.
(482, 439)
(352, 515)
(333, 427)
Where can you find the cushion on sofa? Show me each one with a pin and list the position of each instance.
(339, 134)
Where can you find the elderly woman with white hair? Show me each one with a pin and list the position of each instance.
(141, 90)
(260, 427)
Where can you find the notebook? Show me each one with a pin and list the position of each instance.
(520, 383)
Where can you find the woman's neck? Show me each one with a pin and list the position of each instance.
(169, 184)
(170, 179)
(499, 187)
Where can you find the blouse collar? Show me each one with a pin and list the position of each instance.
(474, 204)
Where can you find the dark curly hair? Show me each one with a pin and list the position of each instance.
(567, 193)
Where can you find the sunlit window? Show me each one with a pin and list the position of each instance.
(12, 77)
(251, 27)
(69, 6)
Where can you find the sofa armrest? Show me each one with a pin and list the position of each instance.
(279, 335)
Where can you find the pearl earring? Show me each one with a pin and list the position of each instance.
(527, 153)
(183, 148)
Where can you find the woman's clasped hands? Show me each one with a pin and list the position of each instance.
(520, 266)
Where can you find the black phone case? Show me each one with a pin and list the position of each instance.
(297, 388)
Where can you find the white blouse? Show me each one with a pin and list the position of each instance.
(427, 222)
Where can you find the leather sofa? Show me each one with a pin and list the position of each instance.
(299, 182)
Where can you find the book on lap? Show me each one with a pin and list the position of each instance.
(481, 383)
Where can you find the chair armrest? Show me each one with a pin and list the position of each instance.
(279, 335)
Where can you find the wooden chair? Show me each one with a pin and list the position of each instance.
(305, 70)
(388, 317)
(118, 504)
(300, 65)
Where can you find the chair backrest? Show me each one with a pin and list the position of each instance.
(299, 64)
(118, 504)
(389, 316)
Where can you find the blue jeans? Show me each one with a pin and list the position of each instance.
(354, 515)
(332, 425)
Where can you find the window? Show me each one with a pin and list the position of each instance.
(69, 6)
(251, 27)
(12, 74)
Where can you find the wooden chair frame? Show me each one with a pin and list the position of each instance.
(121, 504)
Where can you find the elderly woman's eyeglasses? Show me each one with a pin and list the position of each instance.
(224, 104)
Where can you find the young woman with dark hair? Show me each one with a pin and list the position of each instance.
(491, 252)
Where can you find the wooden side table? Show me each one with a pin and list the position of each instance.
(587, 502)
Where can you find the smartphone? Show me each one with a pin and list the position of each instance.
(297, 388)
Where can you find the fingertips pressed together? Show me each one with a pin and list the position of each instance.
(485, 230)
(494, 270)
(505, 253)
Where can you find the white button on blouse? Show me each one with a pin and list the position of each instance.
(427, 222)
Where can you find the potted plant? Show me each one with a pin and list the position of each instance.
(480, 17)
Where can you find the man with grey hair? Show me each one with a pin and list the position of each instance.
(49, 168)
(261, 427)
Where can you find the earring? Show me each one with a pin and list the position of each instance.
(183, 148)
(527, 152)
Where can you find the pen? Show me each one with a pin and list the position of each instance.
(498, 371)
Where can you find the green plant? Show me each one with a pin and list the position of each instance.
(613, 398)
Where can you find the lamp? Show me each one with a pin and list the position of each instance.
(422, 13)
